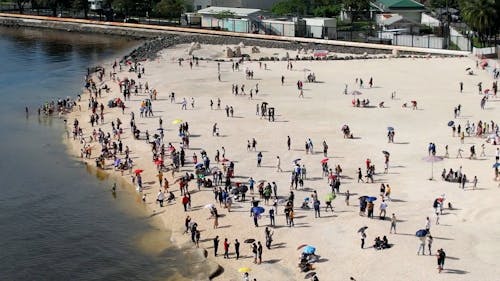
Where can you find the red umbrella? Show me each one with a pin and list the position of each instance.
(138, 171)
(301, 246)
(158, 161)
(224, 160)
(324, 161)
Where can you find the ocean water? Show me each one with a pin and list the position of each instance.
(59, 220)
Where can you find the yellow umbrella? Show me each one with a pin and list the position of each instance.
(244, 269)
(177, 121)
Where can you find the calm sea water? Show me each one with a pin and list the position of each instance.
(59, 221)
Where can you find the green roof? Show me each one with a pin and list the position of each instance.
(401, 4)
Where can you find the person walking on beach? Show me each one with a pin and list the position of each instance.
(278, 164)
(428, 225)
(347, 195)
(259, 159)
(461, 86)
(360, 175)
(316, 205)
(216, 245)
(441, 256)
(160, 198)
(269, 237)
(226, 248)
(288, 142)
(393, 223)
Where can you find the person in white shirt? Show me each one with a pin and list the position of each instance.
(160, 198)
(383, 208)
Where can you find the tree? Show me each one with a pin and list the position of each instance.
(327, 11)
(443, 4)
(170, 9)
(82, 5)
(290, 7)
(21, 4)
(355, 7)
(482, 16)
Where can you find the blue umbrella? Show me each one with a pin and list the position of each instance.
(258, 210)
(117, 162)
(371, 199)
(390, 128)
(296, 160)
(421, 233)
(309, 250)
(496, 165)
(199, 165)
(450, 123)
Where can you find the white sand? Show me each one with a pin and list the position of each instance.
(467, 234)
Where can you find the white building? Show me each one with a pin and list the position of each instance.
(253, 4)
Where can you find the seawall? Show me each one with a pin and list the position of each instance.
(187, 35)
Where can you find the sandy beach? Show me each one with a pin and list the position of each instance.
(467, 232)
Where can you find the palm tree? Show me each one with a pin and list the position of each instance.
(482, 16)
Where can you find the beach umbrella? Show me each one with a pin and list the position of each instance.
(158, 161)
(362, 229)
(421, 233)
(171, 148)
(390, 128)
(160, 129)
(486, 91)
(243, 188)
(385, 152)
(138, 171)
(451, 123)
(356, 93)
(371, 199)
(282, 202)
(199, 165)
(224, 160)
(432, 159)
(248, 241)
(309, 250)
(258, 210)
(324, 160)
(209, 206)
(235, 191)
(117, 162)
(330, 196)
(467, 69)
(496, 165)
(296, 160)
(301, 246)
(177, 121)
(310, 275)
(244, 269)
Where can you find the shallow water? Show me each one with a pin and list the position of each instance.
(58, 220)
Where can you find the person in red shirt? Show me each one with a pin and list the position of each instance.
(226, 248)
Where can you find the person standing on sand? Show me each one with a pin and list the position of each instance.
(288, 142)
(237, 248)
(461, 86)
(421, 247)
(259, 251)
(216, 245)
(363, 237)
(226, 248)
(259, 159)
(282, 80)
(254, 251)
(278, 164)
(393, 223)
(347, 195)
(271, 217)
(429, 243)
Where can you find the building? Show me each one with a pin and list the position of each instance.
(408, 9)
(252, 4)
(324, 28)
(396, 22)
(235, 19)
